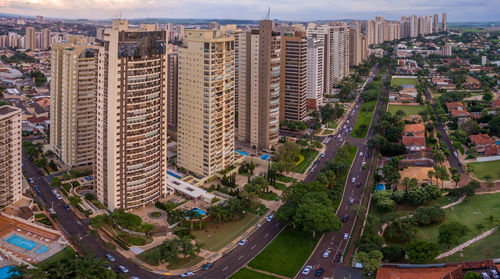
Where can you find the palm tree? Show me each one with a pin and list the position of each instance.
(430, 174)
(406, 182)
(491, 220)
(456, 179)
(217, 213)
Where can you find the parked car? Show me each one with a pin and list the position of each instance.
(358, 184)
(54, 191)
(360, 153)
(338, 257)
(306, 270)
(123, 269)
(58, 197)
(351, 201)
(485, 275)
(242, 242)
(270, 217)
(66, 207)
(187, 274)
(495, 274)
(346, 236)
(322, 155)
(353, 179)
(319, 272)
(110, 258)
(52, 211)
(326, 253)
(207, 266)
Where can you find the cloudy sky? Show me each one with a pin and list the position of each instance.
(458, 10)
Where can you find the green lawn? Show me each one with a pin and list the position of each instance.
(285, 179)
(67, 252)
(364, 118)
(286, 254)
(471, 211)
(486, 248)
(246, 273)
(185, 263)
(279, 186)
(332, 124)
(327, 132)
(308, 158)
(482, 169)
(409, 110)
(216, 236)
(402, 81)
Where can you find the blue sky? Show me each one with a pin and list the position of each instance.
(458, 10)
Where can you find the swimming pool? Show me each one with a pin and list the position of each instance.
(21, 242)
(498, 142)
(241, 152)
(265, 157)
(7, 271)
(42, 249)
(196, 209)
(380, 187)
(174, 175)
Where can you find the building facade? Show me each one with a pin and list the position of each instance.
(206, 125)
(30, 38)
(315, 67)
(172, 90)
(130, 165)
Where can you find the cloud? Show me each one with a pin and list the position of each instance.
(458, 10)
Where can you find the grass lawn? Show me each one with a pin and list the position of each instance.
(216, 236)
(486, 168)
(246, 273)
(308, 158)
(67, 252)
(185, 262)
(409, 110)
(279, 186)
(486, 248)
(471, 211)
(402, 81)
(286, 254)
(364, 118)
(327, 132)
(285, 179)
(332, 124)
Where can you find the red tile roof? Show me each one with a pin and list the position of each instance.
(414, 128)
(481, 139)
(416, 273)
(413, 141)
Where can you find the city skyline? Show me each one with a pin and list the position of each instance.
(251, 9)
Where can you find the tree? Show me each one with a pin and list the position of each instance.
(370, 260)
(456, 179)
(75, 200)
(421, 252)
(489, 181)
(452, 233)
(425, 216)
(491, 220)
(479, 227)
(393, 252)
(472, 275)
(430, 174)
(314, 216)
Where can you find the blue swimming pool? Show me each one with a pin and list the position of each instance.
(7, 271)
(265, 157)
(380, 187)
(498, 142)
(21, 242)
(196, 209)
(174, 175)
(241, 152)
(42, 249)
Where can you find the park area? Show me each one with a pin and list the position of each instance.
(246, 273)
(403, 81)
(364, 119)
(486, 248)
(284, 256)
(408, 109)
(483, 169)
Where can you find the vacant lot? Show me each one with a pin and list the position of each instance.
(403, 81)
(409, 110)
(481, 169)
(286, 254)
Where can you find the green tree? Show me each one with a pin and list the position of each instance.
(472, 275)
(393, 253)
(421, 252)
(314, 216)
(452, 233)
(370, 260)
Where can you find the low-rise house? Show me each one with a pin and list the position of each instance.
(484, 144)
(408, 93)
(415, 130)
(472, 83)
(414, 144)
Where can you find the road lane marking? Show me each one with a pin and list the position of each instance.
(224, 269)
(240, 257)
(266, 235)
(277, 224)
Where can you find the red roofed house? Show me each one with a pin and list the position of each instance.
(484, 144)
(472, 83)
(415, 130)
(414, 137)
(495, 104)
(457, 110)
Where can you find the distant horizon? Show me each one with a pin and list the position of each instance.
(285, 10)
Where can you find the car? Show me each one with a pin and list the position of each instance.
(345, 218)
(31, 180)
(66, 207)
(110, 258)
(52, 211)
(122, 268)
(326, 253)
(311, 170)
(350, 129)
(340, 139)
(270, 217)
(338, 257)
(58, 197)
(134, 277)
(35, 187)
(307, 269)
(207, 266)
(358, 184)
(360, 153)
(259, 224)
(353, 179)
(243, 242)
(38, 192)
(319, 272)
(495, 274)
(344, 127)
(351, 201)
(322, 155)
(363, 163)
(187, 274)
(54, 191)
(347, 121)
(346, 236)
(485, 275)
(108, 267)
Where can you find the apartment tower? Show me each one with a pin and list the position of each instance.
(339, 49)
(206, 123)
(315, 51)
(46, 39)
(259, 86)
(172, 90)
(30, 38)
(293, 76)
(72, 93)
(436, 23)
(130, 165)
(10, 155)
(443, 18)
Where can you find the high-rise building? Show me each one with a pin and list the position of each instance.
(172, 89)
(393, 31)
(259, 86)
(30, 38)
(72, 110)
(39, 19)
(355, 47)
(239, 35)
(130, 166)
(339, 49)
(293, 76)
(46, 39)
(99, 33)
(10, 155)
(435, 22)
(446, 50)
(206, 125)
(443, 17)
(315, 76)
(322, 34)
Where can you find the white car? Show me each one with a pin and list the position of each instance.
(326, 253)
(346, 236)
(122, 268)
(270, 217)
(242, 242)
(110, 258)
(306, 270)
(353, 179)
(187, 274)
(364, 163)
(360, 153)
(54, 191)
(52, 211)
(58, 197)
(322, 155)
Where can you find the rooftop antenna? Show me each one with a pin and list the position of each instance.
(268, 16)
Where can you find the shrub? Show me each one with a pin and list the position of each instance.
(393, 252)
(425, 216)
(399, 232)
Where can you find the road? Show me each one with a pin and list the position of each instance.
(76, 228)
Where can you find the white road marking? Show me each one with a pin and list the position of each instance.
(224, 268)
(266, 235)
(277, 224)
(252, 247)
(240, 257)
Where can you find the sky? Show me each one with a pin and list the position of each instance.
(302, 10)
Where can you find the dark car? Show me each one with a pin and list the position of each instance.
(345, 218)
(338, 257)
(66, 207)
(358, 184)
(319, 272)
(207, 266)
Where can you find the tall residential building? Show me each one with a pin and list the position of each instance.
(322, 34)
(130, 164)
(443, 18)
(46, 39)
(99, 33)
(339, 49)
(30, 38)
(239, 35)
(435, 22)
(72, 110)
(293, 76)
(172, 90)
(259, 86)
(355, 47)
(10, 155)
(206, 123)
(393, 31)
(315, 51)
